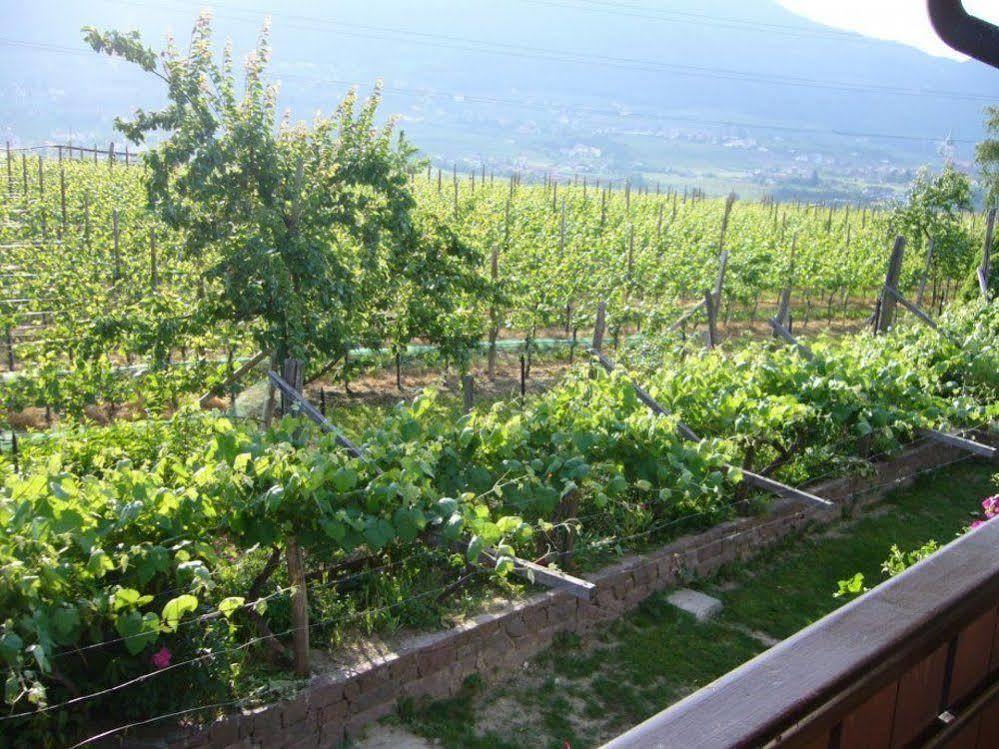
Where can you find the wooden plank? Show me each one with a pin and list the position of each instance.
(919, 313)
(971, 658)
(235, 376)
(686, 316)
(811, 680)
(869, 725)
(783, 490)
(550, 578)
(988, 730)
(962, 443)
(917, 703)
(312, 413)
(784, 333)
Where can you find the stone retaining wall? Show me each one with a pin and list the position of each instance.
(337, 706)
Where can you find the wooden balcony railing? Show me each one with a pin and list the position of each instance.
(914, 662)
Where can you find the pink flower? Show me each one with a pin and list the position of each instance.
(161, 658)
(977, 523)
(991, 506)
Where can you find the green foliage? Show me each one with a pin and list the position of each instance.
(932, 213)
(899, 561)
(851, 587)
(987, 155)
(308, 232)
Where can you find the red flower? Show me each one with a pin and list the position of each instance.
(161, 658)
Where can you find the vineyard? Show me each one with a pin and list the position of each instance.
(115, 557)
(171, 554)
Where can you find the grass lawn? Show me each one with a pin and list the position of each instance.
(586, 693)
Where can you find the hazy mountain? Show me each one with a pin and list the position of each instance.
(622, 88)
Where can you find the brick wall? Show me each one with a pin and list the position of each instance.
(339, 705)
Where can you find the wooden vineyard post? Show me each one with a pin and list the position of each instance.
(41, 177)
(598, 327)
(783, 317)
(299, 607)
(10, 172)
(986, 267)
(884, 315)
(711, 309)
(729, 203)
(468, 392)
(291, 372)
(523, 375)
(720, 281)
(9, 335)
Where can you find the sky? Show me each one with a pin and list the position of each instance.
(904, 21)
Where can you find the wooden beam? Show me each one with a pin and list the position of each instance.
(962, 443)
(550, 578)
(912, 307)
(686, 316)
(755, 479)
(654, 405)
(783, 490)
(919, 313)
(236, 376)
(784, 333)
(311, 412)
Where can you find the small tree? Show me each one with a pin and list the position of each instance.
(932, 211)
(302, 229)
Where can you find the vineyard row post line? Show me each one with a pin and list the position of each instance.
(532, 572)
